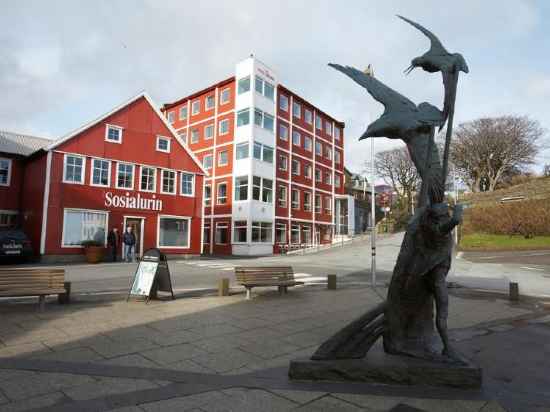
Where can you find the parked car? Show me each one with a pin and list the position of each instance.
(14, 246)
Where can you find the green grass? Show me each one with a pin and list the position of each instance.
(482, 241)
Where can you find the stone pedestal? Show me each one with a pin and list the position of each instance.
(379, 367)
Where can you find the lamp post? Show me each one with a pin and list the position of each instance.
(373, 219)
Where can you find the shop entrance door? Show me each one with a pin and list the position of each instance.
(136, 223)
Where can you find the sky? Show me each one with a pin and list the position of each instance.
(65, 63)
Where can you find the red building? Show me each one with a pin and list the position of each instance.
(276, 162)
(129, 167)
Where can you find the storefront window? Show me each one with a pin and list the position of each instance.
(168, 181)
(81, 225)
(239, 231)
(187, 180)
(173, 232)
(125, 176)
(261, 232)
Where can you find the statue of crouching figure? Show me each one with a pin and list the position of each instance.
(420, 274)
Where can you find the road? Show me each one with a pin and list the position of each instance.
(535, 260)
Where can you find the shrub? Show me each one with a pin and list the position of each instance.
(527, 218)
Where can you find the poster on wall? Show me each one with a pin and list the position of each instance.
(152, 275)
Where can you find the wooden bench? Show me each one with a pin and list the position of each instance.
(262, 276)
(33, 282)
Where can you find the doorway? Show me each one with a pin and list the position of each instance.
(137, 225)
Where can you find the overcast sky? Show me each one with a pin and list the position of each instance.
(66, 62)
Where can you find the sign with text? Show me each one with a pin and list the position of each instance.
(128, 201)
(152, 275)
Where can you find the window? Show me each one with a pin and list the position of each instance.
(148, 181)
(267, 190)
(207, 161)
(263, 119)
(318, 122)
(239, 231)
(328, 152)
(101, 172)
(183, 135)
(296, 110)
(243, 85)
(125, 176)
(171, 117)
(328, 204)
(187, 184)
(168, 182)
(225, 95)
(207, 195)
(318, 177)
(222, 158)
(183, 113)
(308, 143)
(209, 131)
(195, 136)
(328, 178)
(261, 232)
(74, 169)
(209, 102)
(283, 162)
(318, 148)
(221, 233)
(206, 235)
(337, 157)
(295, 167)
(8, 220)
(173, 232)
(257, 151)
(337, 133)
(268, 154)
(283, 102)
(81, 225)
(263, 152)
(283, 132)
(307, 201)
(336, 181)
(223, 126)
(269, 91)
(264, 88)
(318, 204)
(256, 187)
(163, 144)
(328, 128)
(241, 188)
(307, 171)
(308, 116)
(295, 234)
(195, 107)
(243, 117)
(296, 138)
(5, 172)
(295, 199)
(114, 133)
(306, 230)
(221, 197)
(282, 195)
(280, 233)
(242, 150)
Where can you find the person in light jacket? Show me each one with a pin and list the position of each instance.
(129, 241)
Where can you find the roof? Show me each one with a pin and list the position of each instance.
(146, 96)
(168, 106)
(21, 144)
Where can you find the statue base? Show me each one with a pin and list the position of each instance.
(380, 367)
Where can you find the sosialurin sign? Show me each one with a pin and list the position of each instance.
(132, 202)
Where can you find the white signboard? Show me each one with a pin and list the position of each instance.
(144, 278)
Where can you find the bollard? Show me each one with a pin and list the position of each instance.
(514, 292)
(63, 298)
(331, 281)
(223, 287)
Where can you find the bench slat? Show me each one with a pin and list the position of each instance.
(30, 292)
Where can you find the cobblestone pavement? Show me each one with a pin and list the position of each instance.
(228, 354)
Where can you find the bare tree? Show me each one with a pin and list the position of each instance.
(397, 169)
(487, 149)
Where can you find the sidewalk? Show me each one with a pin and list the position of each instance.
(222, 354)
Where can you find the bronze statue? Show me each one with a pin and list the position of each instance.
(406, 318)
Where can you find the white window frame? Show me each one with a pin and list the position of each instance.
(328, 209)
(171, 117)
(282, 202)
(299, 114)
(72, 209)
(192, 194)
(318, 122)
(159, 138)
(281, 136)
(318, 204)
(238, 146)
(175, 181)
(10, 163)
(193, 112)
(154, 179)
(181, 110)
(320, 179)
(260, 225)
(206, 105)
(206, 137)
(225, 225)
(191, 140)
(307, 205)
(283, 98)
(297, 169)
(183, 135)
(297, 133)
(92, 172)
(188, 231)
(218, 192)
(283, 165)
(207, 200)
(82, 177)
(113, 126)
(310, 140)
(220, 164)
(226, 99)
(292, 202)
(328, 128)
(277, 227)
(243, 224)
(133, 176)
(220, 126)
(306, 111)
(211, 161)
(306, 168)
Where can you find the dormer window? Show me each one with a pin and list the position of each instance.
(163, 144)
(113, 134)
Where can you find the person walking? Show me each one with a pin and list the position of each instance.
(129, 240)
(113, 240)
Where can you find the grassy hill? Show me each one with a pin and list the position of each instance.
(535, 188)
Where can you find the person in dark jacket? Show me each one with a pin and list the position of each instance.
(113, 240)
(129, 241)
